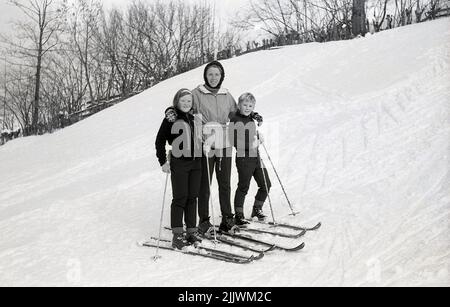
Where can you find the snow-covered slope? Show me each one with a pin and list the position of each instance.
(359, 131)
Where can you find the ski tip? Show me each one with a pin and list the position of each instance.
(260, 256)
(317, 226)
(292, 249)
(300, 247)
(272, 248)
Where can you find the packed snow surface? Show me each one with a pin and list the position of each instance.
(358, 130)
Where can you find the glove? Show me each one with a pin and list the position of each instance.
(166, 168)
(208, 143)
(210, 140)
(255, 143)
(171, 115)
(257, 117)
(260, 137)
(206, 148)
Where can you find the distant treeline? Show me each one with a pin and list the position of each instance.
(77, 58)
(69, 61)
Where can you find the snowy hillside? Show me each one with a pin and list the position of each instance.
(359, 131)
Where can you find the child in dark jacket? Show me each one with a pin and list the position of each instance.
(246, 140)
(185, 168)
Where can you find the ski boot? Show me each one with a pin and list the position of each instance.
(205, 228)
(228, 225)
(192, 237)
(178, 241)
(239, 219)
(258, 213)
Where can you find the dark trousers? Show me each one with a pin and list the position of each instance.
(222, 166)
(248, 168)
(186, 178)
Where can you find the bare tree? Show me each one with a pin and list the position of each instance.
(4, 121)
(229, 42)
(337, 18)
(433, 9)
(359, 17)
(420, 9)
(276, 17)
(98, 55)
(291, 21)
(37, 37)
(169, 38)
(19, 94)
(83, 23)
(64, 76)
(379, 14)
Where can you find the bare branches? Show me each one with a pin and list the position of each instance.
(36, 38)
(323, 20)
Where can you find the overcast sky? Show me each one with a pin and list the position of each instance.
(224, 9)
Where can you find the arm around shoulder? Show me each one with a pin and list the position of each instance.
(171, 114)
(161, 139)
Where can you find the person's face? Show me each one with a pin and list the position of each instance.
(185, 103)
(246, 107)
(213, 76)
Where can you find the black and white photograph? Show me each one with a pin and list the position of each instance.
(225, 148)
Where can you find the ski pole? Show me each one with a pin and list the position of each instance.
(267, 188)
(279, 180)
(156, 257)
(210, 195)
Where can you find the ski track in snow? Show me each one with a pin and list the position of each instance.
(358, 130)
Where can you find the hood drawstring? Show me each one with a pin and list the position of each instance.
(220, 164)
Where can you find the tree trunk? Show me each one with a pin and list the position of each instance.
(37, 88)
(359, 18)
(84, 60)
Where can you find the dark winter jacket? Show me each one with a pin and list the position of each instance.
(165, 134)
(243, 132)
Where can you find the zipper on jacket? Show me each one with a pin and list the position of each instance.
(217, 106)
